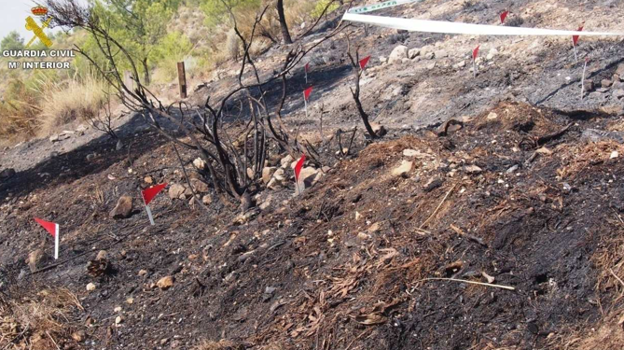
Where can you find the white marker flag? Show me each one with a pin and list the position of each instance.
(443, 27)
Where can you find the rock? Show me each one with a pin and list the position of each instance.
(403, 169)
(91, 287)
(199, 186)
(512, 169)
(267, 203)
(119, 146)
(142, 272)
(440, 54)
(176, 191)
(430, 55)
(35, 259)
(117, 309)
(78, 336)
(614, 155)
(489, 278)
(199, 163)
(616, 77)
(148, 180)
(123, 209)
(165, 282)
(383, 59)
(398, 54)
(267, 173)
(7, 173)
(412, 153)
(588, 85)
(59, 137)
(101, 255)
(119, 320)
(619, 93)
(91, 157)
(308, 176)
(431, 66)
(378, 129)
(250, 173)
(81, 129)
(620, 70)
(461, 64)
(278, 179)
(606, 83)
(413, 53)
(472, 169)
(284, 162)
(432, 184)
(207, 199)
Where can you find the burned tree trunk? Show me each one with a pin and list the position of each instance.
(282, 19)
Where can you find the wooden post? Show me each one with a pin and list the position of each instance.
(182, 79)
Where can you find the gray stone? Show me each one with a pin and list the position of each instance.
(123, 209)
(398, 54)
(176, 191)
(403, 169)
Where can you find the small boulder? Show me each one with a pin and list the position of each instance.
(176, 191)
(413, 53)
(36, 259)
(267, 173)
(378, 129)
(308, 176)
(472, 169)
(398, 54)
(403, 169)
(207, 200)
(165, 282)
(284, 162)
(199, 186)
(199, 163)
(123, 209)
(91, 287)
(606, 83)
(619, 93)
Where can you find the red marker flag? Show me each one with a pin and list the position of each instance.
(364, 62)
(150, 193)
(503, 16)
(575, 38)
(299, 166)
(53, 229)
(475, 53)
(306, 93)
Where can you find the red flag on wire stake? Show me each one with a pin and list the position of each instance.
(575, 39)
(306, 93)
(475, 53)
(53, 229)
(148, 195)
(298, 168)
(503, 16)
(364, 62)
(306, 97)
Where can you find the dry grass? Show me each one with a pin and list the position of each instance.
(71, 100)
(213, 345)
(36, 321)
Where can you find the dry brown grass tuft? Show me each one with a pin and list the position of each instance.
(37, 321)
(68, 101)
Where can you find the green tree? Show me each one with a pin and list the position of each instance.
(13, 41)
(138, 25)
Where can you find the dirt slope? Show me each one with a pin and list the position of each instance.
(514, 195)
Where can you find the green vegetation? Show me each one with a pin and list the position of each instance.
(156, 33)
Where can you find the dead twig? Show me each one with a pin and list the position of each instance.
(469, 282)
(438, 208)
(616, 277)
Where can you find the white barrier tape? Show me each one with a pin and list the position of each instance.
(383, 5)
(442, 27)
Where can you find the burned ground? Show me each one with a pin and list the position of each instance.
(522, 191)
